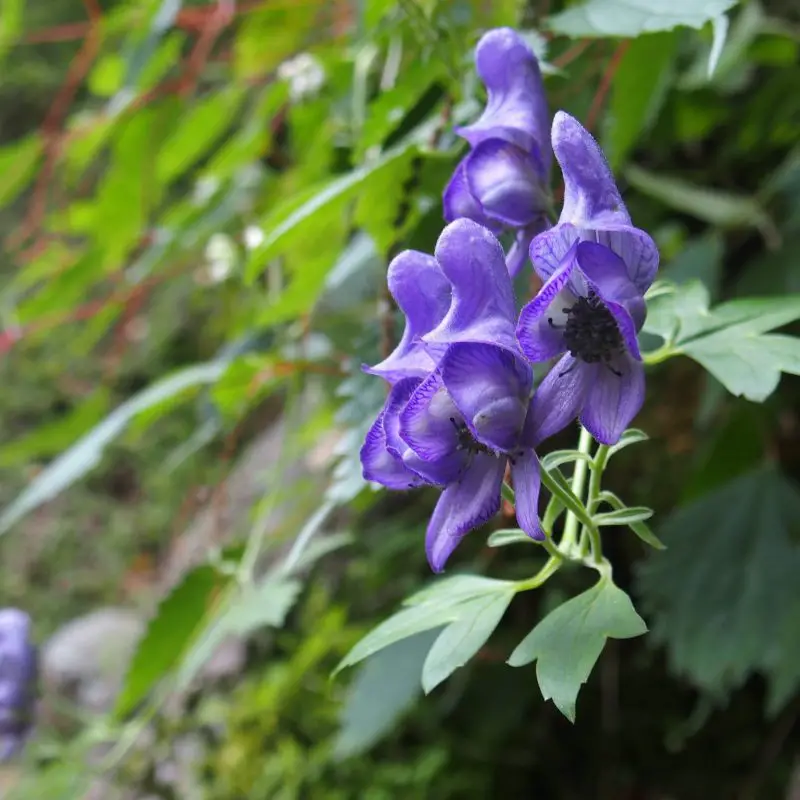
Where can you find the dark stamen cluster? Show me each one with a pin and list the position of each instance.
(591, 332)
(466, 441)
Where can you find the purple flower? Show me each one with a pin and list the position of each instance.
(18, 675)
(503, 182)
(596, 266)
(463, 416)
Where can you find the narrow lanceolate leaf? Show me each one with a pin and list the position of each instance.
(507, 536)
(171, 631)
(567, 643)
(623, 516)
(631, 436)
(640, 528)
(558, 487)
(634, 17)
(731, 340)
(558, 457)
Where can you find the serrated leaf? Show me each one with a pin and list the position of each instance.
(86, 453)
(462, 639)
(634, 17)
(177, 621)
(731, 339)
(434, 607)
(638, 91)
(384, 688)
(623, 516)
(567, 643)
(507, 536)
(721, 597)
(629, 437)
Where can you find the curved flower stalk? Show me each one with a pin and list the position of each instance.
(503, 183)
(458, 411)
(18, 675)
(596, 266)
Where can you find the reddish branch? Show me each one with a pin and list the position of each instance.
(605, 85)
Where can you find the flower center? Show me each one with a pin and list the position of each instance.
(591, 332)
(467, 442)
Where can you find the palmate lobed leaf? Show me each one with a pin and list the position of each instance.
(567, 643)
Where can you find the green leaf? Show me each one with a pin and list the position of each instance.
(86, 453)
(623, 516)
(629, 437)
(385, 687)
(638, 527)
(730, 340)
(17, 164)
(717, 207)
(634, 17)
(724, 594)
(558, 457)
(567, 643)
(638, 91)
(719, 27)
(439, 605)
(507, 536)
(177, 621)
(558, 486)
(462, 639)
(265, 604)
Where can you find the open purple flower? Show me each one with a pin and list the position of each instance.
(459, 425)
(503, 182)
(18, 675)
(596, 266)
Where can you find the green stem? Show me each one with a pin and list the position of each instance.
(578, 484)
(592, 501)
(550, 568)
(659, 355)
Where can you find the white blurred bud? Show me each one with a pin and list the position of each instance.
(252, 236)
(304, 74)
(220, 257)
(204, 189)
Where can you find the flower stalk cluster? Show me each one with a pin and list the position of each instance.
(462, 412)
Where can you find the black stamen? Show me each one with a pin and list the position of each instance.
(591, 332)
(467, 442)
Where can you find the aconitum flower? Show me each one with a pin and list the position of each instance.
(18, 674)
(457, 413)
(596, 266)
(503, 183)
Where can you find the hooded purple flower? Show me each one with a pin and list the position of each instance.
(18, 674)
(464, 415)
(503, 182)
(596, 266)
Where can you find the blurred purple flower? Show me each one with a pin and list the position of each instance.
(503, 182)
(18, 676)
(596, 266)
(458, 418)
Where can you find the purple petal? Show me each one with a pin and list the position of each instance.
(458, 201)
(517, 255)
(429, 422)
(441, 472)
(560, 396)
(423, 294)
(539, 339)
(613, 400)
(550, 248)
(504, 181)
(483, 308)
(464, 505)
(395, 403)
(380, 464)
(516, 110)
(636, 249)
(490, 386)
(527, 482)
(591, 197)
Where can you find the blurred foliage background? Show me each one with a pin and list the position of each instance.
(198, 204)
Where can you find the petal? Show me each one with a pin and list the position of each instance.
(636, 249)
(429, 422)
(381, 465)
(444, 470)
(504, 181)
(395, 403)
(491, 388)
(458, 201)
(591, 197)
(517, 255)
(516, 110)
(613, 399)
(527, 482)
(464, 505)
(549, 248)
(560, 397)
(423, 294)
(540, 328)
(483, 308)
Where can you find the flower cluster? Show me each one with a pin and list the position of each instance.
(18, 675)
(462, 409)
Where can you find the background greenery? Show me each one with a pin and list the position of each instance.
(195, 244)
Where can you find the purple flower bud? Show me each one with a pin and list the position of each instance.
(18, 676)
(503, 182)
